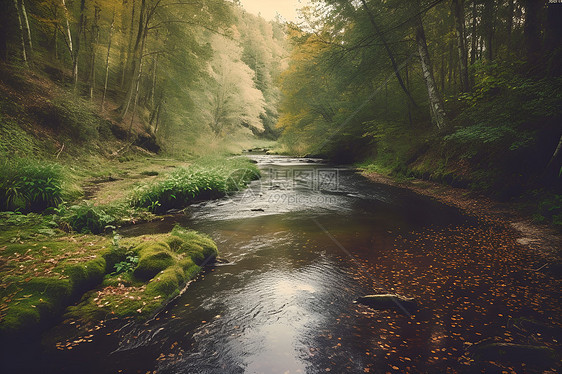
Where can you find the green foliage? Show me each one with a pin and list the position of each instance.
(30, 185)
(206, 179)
(87, 217)
(550, 211)
(505, 110)
(130, 262)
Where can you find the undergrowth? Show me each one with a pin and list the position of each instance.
(29, 185)
(207, 179)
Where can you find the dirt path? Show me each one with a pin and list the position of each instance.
(120, 181)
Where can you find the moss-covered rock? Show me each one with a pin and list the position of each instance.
(153, 258)
(166, 263)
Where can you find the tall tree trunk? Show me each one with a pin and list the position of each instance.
(77, 43)
(450, 66)
(532, 30)
(473, 36)
(94, 43)
(406, 75)
(107, 60)
(123, 30)
(28, 30)
(553, 39)
(68, 33)
(458, 9)
(389, 52)
(137, 58)
(435, 101)
(153, 85)
(130, 46)
(509, 23)
(442, 72)
(22, 37)
(488, 23)
(135, 102)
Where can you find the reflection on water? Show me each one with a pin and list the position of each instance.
(284, 303)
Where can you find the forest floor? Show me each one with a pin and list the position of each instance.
(542, 239)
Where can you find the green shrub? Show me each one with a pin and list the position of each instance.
(204, 180)
(30, 186)
(87, 217)
(550, 210)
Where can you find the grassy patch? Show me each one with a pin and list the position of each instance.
(205, 179)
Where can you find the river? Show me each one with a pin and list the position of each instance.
(303, 243)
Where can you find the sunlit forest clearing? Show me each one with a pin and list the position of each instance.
(374, 186)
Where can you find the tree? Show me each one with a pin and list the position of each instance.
(435, 101)
(458, 10)
(234, 100)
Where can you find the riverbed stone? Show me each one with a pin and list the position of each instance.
(388, 301)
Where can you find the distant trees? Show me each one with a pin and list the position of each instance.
(148, 62)
(384, 57)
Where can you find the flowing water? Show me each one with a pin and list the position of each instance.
(302, 244)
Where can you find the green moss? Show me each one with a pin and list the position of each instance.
(84, 276)
(167, 283)
(199, 247)
(153, 258)
(39, 300)
(166, 264)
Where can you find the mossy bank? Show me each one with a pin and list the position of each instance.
(45, 272)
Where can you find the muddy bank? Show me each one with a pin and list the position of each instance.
(541, 239)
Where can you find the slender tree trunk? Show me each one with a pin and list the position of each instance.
(153, 85)
(54, 40)
(435, 101)
(24, 15)
(509, 23)
(123, 30)
(406, 68)
(107, 61)
(158, 115)
(488, 23)
(389, 52)
(130, 45)
(135, 101)
(22, 37)
(77, 44)
(451, 66)
(137, 59)
(458, 9)
(442, 72)
(68, 33)
(95, 40)
(474, 37)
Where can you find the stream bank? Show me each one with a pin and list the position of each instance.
(543, 240)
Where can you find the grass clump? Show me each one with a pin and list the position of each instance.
(204, 180)
(30, 186)
(87, 218)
